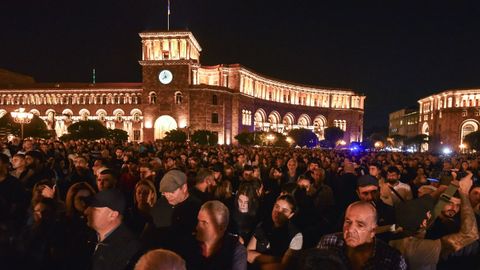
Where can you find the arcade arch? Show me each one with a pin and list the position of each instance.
(274, 120)
(163, 124)
(259, 119)
(288, 121)
(468, 126)
(319, 125)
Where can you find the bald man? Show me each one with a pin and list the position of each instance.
(357, 244)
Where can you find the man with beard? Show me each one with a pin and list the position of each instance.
(81, 172)
(448, 221)
(368, 190)
(214, 248)
(204, 185)
(399, 192)
(357, 246)
(413, 217)
(36, 162)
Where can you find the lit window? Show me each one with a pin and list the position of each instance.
(178, 98)
(152, 98)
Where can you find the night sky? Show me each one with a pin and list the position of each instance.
(394, 52)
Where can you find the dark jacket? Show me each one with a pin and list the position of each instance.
(231, 256)
(120, 250)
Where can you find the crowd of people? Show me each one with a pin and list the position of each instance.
(108, 205)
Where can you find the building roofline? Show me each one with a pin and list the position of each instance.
(173, 34)
(285, 83)
(72, 85)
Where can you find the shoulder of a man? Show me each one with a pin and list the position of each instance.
(388, 256)
(328, 241)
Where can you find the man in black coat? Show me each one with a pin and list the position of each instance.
(116, 247)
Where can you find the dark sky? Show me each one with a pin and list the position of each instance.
(395, 52)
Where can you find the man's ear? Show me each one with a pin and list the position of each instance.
(114, 214)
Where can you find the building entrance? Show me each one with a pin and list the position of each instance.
(163, 124)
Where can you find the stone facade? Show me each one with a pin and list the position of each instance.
(178, 92)
(449, 116)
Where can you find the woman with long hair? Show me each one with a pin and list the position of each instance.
(144, 197)
(245, 212)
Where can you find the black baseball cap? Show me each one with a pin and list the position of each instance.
(110, 198)
(367, 180)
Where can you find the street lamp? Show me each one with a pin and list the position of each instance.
(22, 117)
(462, 147)
(270, 138)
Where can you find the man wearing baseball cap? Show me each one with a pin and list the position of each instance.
(368, 190)
(116, 247)
(174, 214)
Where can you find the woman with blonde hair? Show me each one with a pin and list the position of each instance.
(144, 197)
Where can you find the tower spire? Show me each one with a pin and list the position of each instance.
(168, 16)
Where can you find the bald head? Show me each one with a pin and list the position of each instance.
(365, 209)
(359, 225)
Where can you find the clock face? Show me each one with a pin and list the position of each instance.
(165, 76)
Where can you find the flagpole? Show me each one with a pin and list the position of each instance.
(168, 16)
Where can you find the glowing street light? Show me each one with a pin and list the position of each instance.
(22, 117)
(290, 140)
(378, 144)
(270, 138)
(342, 142)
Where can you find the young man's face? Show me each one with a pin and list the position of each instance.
(452, 208)
(373, 171)
(367, 193)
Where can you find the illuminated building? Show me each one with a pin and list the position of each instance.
(178, 92)
(449, 116)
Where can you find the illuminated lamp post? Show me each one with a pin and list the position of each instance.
(22, 117)
(462, 148)
(270, 138)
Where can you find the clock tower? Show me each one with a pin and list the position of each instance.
(174, 54)
(170, 60)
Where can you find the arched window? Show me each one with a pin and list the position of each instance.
(178, 98)
(136, 117)
(152, 98)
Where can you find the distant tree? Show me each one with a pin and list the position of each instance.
(118, 135)
(303, 137)
(36, 128)
(175, 135)
(280, 139)
(89, 129)
(377, 136)
(472, 140)
(204, 137)
(326, 144)
(398, 140)
(417, 140)
(333, 135)
(245, 138)
(251, 138)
